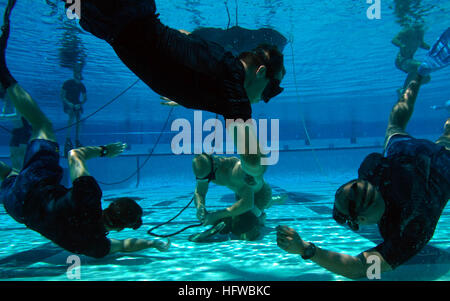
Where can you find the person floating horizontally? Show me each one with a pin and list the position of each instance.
(188, 70)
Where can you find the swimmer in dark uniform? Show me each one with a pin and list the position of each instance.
(71, 91)
(187, 69)
(72, 218)
(409, 40)
(253, 195)
(237, 39)
(404, 191)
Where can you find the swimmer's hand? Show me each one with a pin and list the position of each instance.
(160, 245)
(211, 218)
(289, 240)
(115, 149)
(168, 102)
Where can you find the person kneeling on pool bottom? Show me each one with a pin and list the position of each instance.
(72, 218)
(246, 216)
(403, 191)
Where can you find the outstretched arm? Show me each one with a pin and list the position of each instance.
(134, 245)
(353, 267)
(402, 111)
(78, 157)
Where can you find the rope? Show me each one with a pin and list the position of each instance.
(298, 96)
(93, 113)
(236, 1)
(148, 157)
(179, 231)
(228, 14)
(5, 129)
(101, 108)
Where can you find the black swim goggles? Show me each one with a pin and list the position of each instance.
(349, 219)
(272, 89)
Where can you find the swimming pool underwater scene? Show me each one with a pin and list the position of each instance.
(343, 76)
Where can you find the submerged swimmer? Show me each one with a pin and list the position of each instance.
(237, 40)
(409, 40)
(404, 191)
(71, 91)
(72, 218)
(191, 71)
(246, 216)
(186, 68)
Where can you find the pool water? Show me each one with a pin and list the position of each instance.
(25, 255)
(340, 85)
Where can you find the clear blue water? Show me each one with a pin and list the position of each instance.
(341, 82)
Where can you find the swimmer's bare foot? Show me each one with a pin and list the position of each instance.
(161, 246)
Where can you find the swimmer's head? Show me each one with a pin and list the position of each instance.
(122, 213)
(358, 203)
(268, 63)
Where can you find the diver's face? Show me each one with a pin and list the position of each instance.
(353, 195)
(266, 88)
(273, 88)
